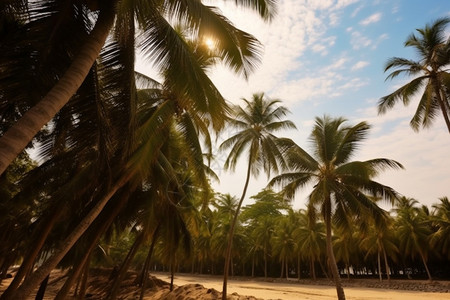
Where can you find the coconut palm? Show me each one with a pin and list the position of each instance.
(379, 240)
(431, 70)
(283, 243)
(441, 218)
(340, 186)
(413, 230)
(257, 122)
(310, 237)
(160, 42)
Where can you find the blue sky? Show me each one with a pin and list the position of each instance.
(327, 57)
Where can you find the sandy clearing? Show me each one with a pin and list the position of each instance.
(292, 291)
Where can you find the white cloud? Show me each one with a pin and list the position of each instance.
(359, 65)
(371, 19)
(358, 41)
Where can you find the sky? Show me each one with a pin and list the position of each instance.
(327, 57)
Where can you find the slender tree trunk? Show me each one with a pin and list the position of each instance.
(282, 269)
(77, 268)
(20, 134)
(313, 270)
(298, 267)
(265, 264)
(146, 268)
(379, 265)
(386, 265)
(426, 266)
(444, 108)
(287, 269)
(41, 292)
(83, 287)
(33, 252)
(231, 234)
(172, 272)
(253, 265)
(31, 283)
(332, 259)
(124, 267)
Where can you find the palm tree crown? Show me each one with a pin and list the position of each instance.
(340, 185)
(432, 73)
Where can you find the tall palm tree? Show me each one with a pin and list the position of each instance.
(257, 122)
(441, 218)
(413, 230)
(379, 239)
(431, 70)
(339, 184)
(161, 43)
(283, 243)
(310, 236)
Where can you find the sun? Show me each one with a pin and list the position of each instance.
(209, 42)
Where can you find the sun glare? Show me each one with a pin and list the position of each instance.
(210, 43)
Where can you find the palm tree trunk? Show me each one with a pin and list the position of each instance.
(265, 264)
(425, 264)
(34, 279)
(21, 133)
(332, 259)
(30, 257)
(379, 265)
(84, 279)
(124, 267)
(41, 292)
(444, 108)
(76, 270)
(230, 237)
(386, 265)
(298, 267)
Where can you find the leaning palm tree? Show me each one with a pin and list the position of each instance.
(152, 21)
(340, 186)
(431, 70)
(257, 123)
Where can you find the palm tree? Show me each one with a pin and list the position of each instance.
(161, 43)
(413, 230)
(257, 122)
(339, 184)
(441, 218)
(379, 239)
(310, 237)
(433, 49)
(283, 243)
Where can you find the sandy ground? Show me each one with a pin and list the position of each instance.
(193, 287)
(292, 291)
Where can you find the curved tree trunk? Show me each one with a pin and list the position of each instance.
(426, 266)
(34, 279)
(31, 255)
(76, 271)
(332, 259)
(20, 134)
(125, 265)
(444, 108)
(230, 237)
(41, 292)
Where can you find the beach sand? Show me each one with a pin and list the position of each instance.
(191, 287)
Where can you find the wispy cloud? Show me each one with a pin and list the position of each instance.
(359, 65)
(371, 19)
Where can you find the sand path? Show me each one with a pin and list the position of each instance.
(288, 291)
